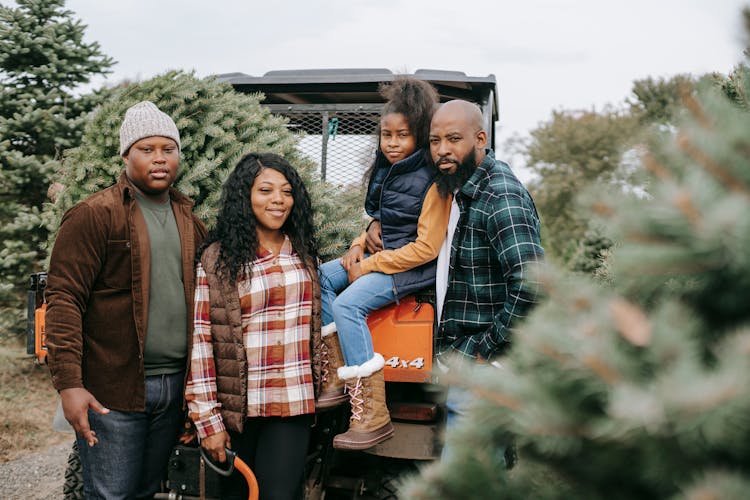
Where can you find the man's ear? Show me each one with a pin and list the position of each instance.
(481, 139)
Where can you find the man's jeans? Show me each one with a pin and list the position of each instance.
(130, 459)
(457, 403)
(350, 308)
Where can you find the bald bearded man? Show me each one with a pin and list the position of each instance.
(483, 284)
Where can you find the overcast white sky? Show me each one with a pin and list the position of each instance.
(545, 54)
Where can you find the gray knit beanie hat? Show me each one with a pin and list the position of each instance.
(146, 120)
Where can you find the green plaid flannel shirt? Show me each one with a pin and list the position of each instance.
(488, 286)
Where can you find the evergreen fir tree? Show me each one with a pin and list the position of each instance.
(656, 101)
(591, 252)
(640, 389)
(43, 59)
(569, 153)
(218, 126)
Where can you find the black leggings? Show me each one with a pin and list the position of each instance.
(275, 449)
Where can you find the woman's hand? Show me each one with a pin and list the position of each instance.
(354, 255)
(216, 444)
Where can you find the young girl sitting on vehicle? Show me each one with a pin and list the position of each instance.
(404, 202)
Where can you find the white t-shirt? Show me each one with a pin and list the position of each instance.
(444, 259)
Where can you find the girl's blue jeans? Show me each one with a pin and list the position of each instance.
(348, 305)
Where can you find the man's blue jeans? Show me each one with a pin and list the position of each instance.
(130, 459)
(348, 306)
(458, 403)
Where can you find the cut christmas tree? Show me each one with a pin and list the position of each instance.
(218, 126)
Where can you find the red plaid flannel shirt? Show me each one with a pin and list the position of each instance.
(276, 304)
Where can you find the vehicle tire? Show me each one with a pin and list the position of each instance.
(385, 478)
(73, 486)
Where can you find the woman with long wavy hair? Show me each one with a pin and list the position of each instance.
(254, 367)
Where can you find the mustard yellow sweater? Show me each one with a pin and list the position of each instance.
(431, 230)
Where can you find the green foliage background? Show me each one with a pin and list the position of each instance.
(580, 151)
(639, 388)
(43, 59)
(217, 127)
(570, 152)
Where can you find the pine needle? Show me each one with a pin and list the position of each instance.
(713, 168)
(630, 322)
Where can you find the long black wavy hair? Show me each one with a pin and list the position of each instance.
(417, 100)
(236, 226)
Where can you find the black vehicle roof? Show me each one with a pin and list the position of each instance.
(360, 85)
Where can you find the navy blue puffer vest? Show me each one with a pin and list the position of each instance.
(395, 195)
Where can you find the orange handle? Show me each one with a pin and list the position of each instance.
(40, 335)
(234, 462)
(247, 473)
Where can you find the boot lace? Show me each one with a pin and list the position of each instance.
(324, 362)
(356, 400)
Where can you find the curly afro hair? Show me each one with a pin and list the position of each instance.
(416, 100)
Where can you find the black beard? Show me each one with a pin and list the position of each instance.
(449, 183)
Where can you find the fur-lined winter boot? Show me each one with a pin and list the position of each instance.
(370, 423)
(332, 391)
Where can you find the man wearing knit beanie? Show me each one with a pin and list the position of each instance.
(145, 120)
(145, 132)
(119, 315)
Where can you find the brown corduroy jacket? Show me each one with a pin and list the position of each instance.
(97, 294)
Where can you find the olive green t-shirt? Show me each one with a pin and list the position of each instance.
(166, 335)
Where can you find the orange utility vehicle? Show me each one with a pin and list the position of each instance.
(338, 111)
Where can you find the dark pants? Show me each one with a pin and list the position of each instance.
(130, 459)
(275, 449)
